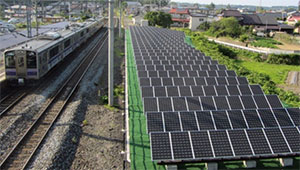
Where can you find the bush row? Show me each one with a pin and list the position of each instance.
(289, 59)
(225, 56)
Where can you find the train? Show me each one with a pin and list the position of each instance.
(35, 58)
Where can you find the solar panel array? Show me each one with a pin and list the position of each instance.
(197, 110)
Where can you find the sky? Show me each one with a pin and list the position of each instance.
(245, 2)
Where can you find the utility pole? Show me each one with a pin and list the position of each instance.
(120, 19)
(36, 18)
(111, 54)
(28, 17)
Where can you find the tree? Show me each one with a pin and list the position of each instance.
(211, 6)
(297, 25)
(226, 27)
(204, 26)
(159, 19)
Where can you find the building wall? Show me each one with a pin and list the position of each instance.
(195, 22)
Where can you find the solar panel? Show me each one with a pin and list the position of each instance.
(220, 143)
(161, 148)
(201, 144)
(197, 109)
(240, 143)
(189, 122)
(258, 141)
(181, 146)
(221, 120)
(277, 141)
(171, 121)
(155, 122)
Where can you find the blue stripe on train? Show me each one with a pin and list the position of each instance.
(11, 73)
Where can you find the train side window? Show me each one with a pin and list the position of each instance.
(81, 34)
(87, 30)
(54, 51)
(67, 43)
(31, 59)
(10, 60)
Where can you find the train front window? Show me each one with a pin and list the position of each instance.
(31, 59)
(10, 60)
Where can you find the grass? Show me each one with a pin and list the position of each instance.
(277, 73)
(265, 42)
(139, 139)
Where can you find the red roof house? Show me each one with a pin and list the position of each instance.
(180, 16)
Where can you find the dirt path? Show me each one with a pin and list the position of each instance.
(292, 82)
(102, 140)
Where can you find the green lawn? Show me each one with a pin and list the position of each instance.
(277, 73)
(139, 140)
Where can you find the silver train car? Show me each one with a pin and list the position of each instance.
(33, 59)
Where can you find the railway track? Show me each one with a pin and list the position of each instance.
(21, 154)
(10, 100)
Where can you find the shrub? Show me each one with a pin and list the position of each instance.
(212, 49)
(288, 59)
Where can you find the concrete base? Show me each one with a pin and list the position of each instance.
(285, 162)
(211, 166)
(249, 164)
(171, 167)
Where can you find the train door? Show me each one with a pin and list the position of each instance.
(21, 63)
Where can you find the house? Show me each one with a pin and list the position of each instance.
(196, 20)
(231, 13)
(180, 16)
(16, 11)
(133, 7)
(293, 19)
(202, 10)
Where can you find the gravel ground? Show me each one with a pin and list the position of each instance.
(87, 135)
(14, 124)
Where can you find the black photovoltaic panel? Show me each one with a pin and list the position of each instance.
(197, 91)
(150, 104)
(201, 144)
(185, 91)
(256, 89)
(277, 141)
(261, 101)
(234, 102)
(221, 90)
(267, 118)
(237, 119)
(155, 122)
(172, 122)
(240, 142)
(258, 141)
(221, 103)
(274, 101)
(294, 113)
(207, 103)
(147, 92)
(161, 148)
(253, 119)
(245, 90)
(209, 90)
(172, 91)
(165, 104)
(189, 122)
(248, 102)
(160, 91)
(181, 146)
(179, 104)
(292, 135)
(220, 143)
(193, 103)
(233, 90)
(283, 117)
(205, 120)
(221, 119)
